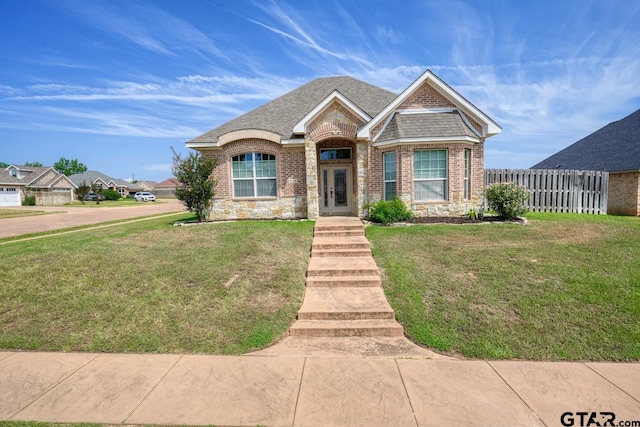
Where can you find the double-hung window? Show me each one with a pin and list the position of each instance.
(389, 174)
(467, 173)
(254, 175)
(429, 175)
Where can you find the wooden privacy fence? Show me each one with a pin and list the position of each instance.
(554, 190)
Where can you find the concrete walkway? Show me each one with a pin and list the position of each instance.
(309, 391)
(324, 374)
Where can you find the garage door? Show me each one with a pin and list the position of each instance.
(9, 196)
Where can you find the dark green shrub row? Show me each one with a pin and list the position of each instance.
(111, 195)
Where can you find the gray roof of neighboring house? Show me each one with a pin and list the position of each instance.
(29, 178)
(613, 148)
(425, 125)
(90, 177)
(281, 114)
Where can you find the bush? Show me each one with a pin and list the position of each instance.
(111, 195)
(29, 201)
(507, 199)
(388, 211)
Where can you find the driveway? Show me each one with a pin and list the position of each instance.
(68, 216)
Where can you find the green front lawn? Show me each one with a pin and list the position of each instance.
(16, 213)
(564, 287)
(103, 203)
(152, 287)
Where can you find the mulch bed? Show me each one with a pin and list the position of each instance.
(463, 220)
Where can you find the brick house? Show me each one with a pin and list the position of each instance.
(336, 143)
(614, 148)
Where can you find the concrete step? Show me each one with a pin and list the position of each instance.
(345, 304)
(343, 281)
(345, 266)
(338, 227)
(349, 242)
(338, 233)
(340, 252)
(346, 328)
(338, 222)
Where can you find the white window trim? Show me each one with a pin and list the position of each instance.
(254, 178)
(467, 174)
(384, 180)
(445, 179)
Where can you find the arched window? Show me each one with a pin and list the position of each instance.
(254, 175)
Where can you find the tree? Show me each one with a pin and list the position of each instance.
(69, 167)
(197, 186)
(4, 165)
(82, 191)
(97, 190)
(33, 164)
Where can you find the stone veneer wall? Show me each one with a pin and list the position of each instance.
(291, 200)
(624, 193)
(456, 204)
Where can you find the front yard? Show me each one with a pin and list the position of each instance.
(565, 287)
(151, 287)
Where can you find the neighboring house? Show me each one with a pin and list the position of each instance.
(336, 143)
(49, 186)
(166, 188)
(123, 187)
(614, 148)
(146, 185)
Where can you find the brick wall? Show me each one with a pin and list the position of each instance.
(624, 194)
(455, 204)
(291, 182)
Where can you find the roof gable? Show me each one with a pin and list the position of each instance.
(489, 127)
(300, 128)
(433, 125)
(613, 148)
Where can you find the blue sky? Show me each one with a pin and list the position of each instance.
(116, 84)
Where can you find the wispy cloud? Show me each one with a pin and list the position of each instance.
(145, 26)
(297, 34)
(385, 34)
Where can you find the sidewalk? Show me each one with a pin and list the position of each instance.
(301, 391)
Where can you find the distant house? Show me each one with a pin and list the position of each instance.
(146, 185)
(616, 149)
(336, 143)
(166, 188)
(49, 186)
(125, 188)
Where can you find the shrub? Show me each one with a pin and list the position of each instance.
(29, 201)
(111, 195)
(507, 199)
(388, 211)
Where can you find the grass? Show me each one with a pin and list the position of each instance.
(105, 203)
(564, 287)
(16, 213)
(151, 287)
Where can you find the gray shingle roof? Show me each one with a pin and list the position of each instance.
(281, 114)
(89, 177)
(425, 125)
(613, 148)
(29, 176)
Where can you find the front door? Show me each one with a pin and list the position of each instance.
(335, 190)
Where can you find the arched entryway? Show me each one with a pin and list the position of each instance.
(336, 177)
